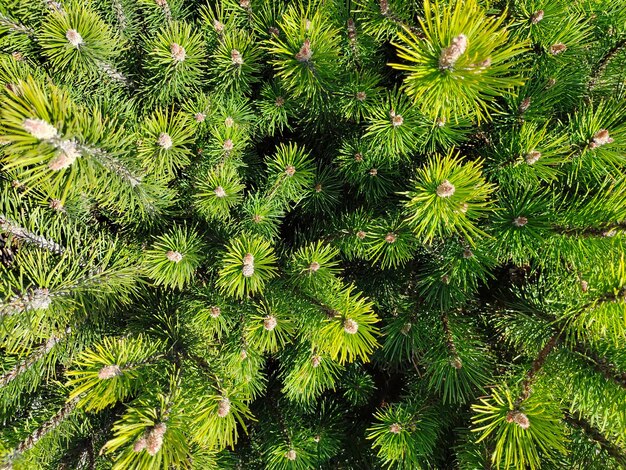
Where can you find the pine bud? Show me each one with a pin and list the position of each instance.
(257, 218)
(445, 189)
(247, 270)
(406, 328)
(269, 323)
(361, 234)
(174, 256)
(524, 105)
(441, 121)
(395, 428)
(317, 438)
(178, 52)
(361, 95)
(584, 285)
(154, 439)
(228, 145)
(358, 157)
(291, 455)
(445, 279)
(223, 408)
(109, 372)
(456, 363)
(40, 299)
(452, 53)
(164, 141)
(314, 266)
(316, 361)
(219, 192)
(74, 37)
(467, 253)
(558, 48)
(244, 4)
(290, 170)
(65, 158)
(384, 7)
(518, 418)
(243, 354)
(236, 57)
(248, 259)
(18, 56)
(532, 157)
(463, 207)
(215, 311)
(200, 117)
(520, 221)
(350, 326)
(600, 138)
(56, 205)
(373, 172)
(39, 129)
(396, 119)
(219, 27)
(140, 445)
(229, 122)
(318, 188)
(536, 17)
(390, 238)
(280, 101)
(305, 53)
(351, 29)
(273, 31)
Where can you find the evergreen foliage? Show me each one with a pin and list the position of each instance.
(312, 234)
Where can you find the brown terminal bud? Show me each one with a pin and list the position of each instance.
(445, 189)
(395, 428)
(520, 221)
(174, 256)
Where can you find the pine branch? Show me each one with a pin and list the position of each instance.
(118, 9)
(29, 361)
(604, 62)
(587, 232)
(39, 433)
(536, 367)
(27, 236)
(113, 73)
(386, 11)
(111, 163)
(596, 435)
(601, 365)
(165, 7)
(14, 26)
(456, 360)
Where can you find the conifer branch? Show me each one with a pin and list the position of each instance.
(14, 26)
(39, 433)
(604, 62)
(535, 368)
(29, 361)
(27, 236)
(113, 73)
(111, 163)
(455, 360)
(386, 11)
(118, 9)
(606, 231)
(595, 434)
(601, 365)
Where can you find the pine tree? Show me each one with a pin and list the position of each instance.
(312, 234)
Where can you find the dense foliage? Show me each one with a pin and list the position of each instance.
(312, 234)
